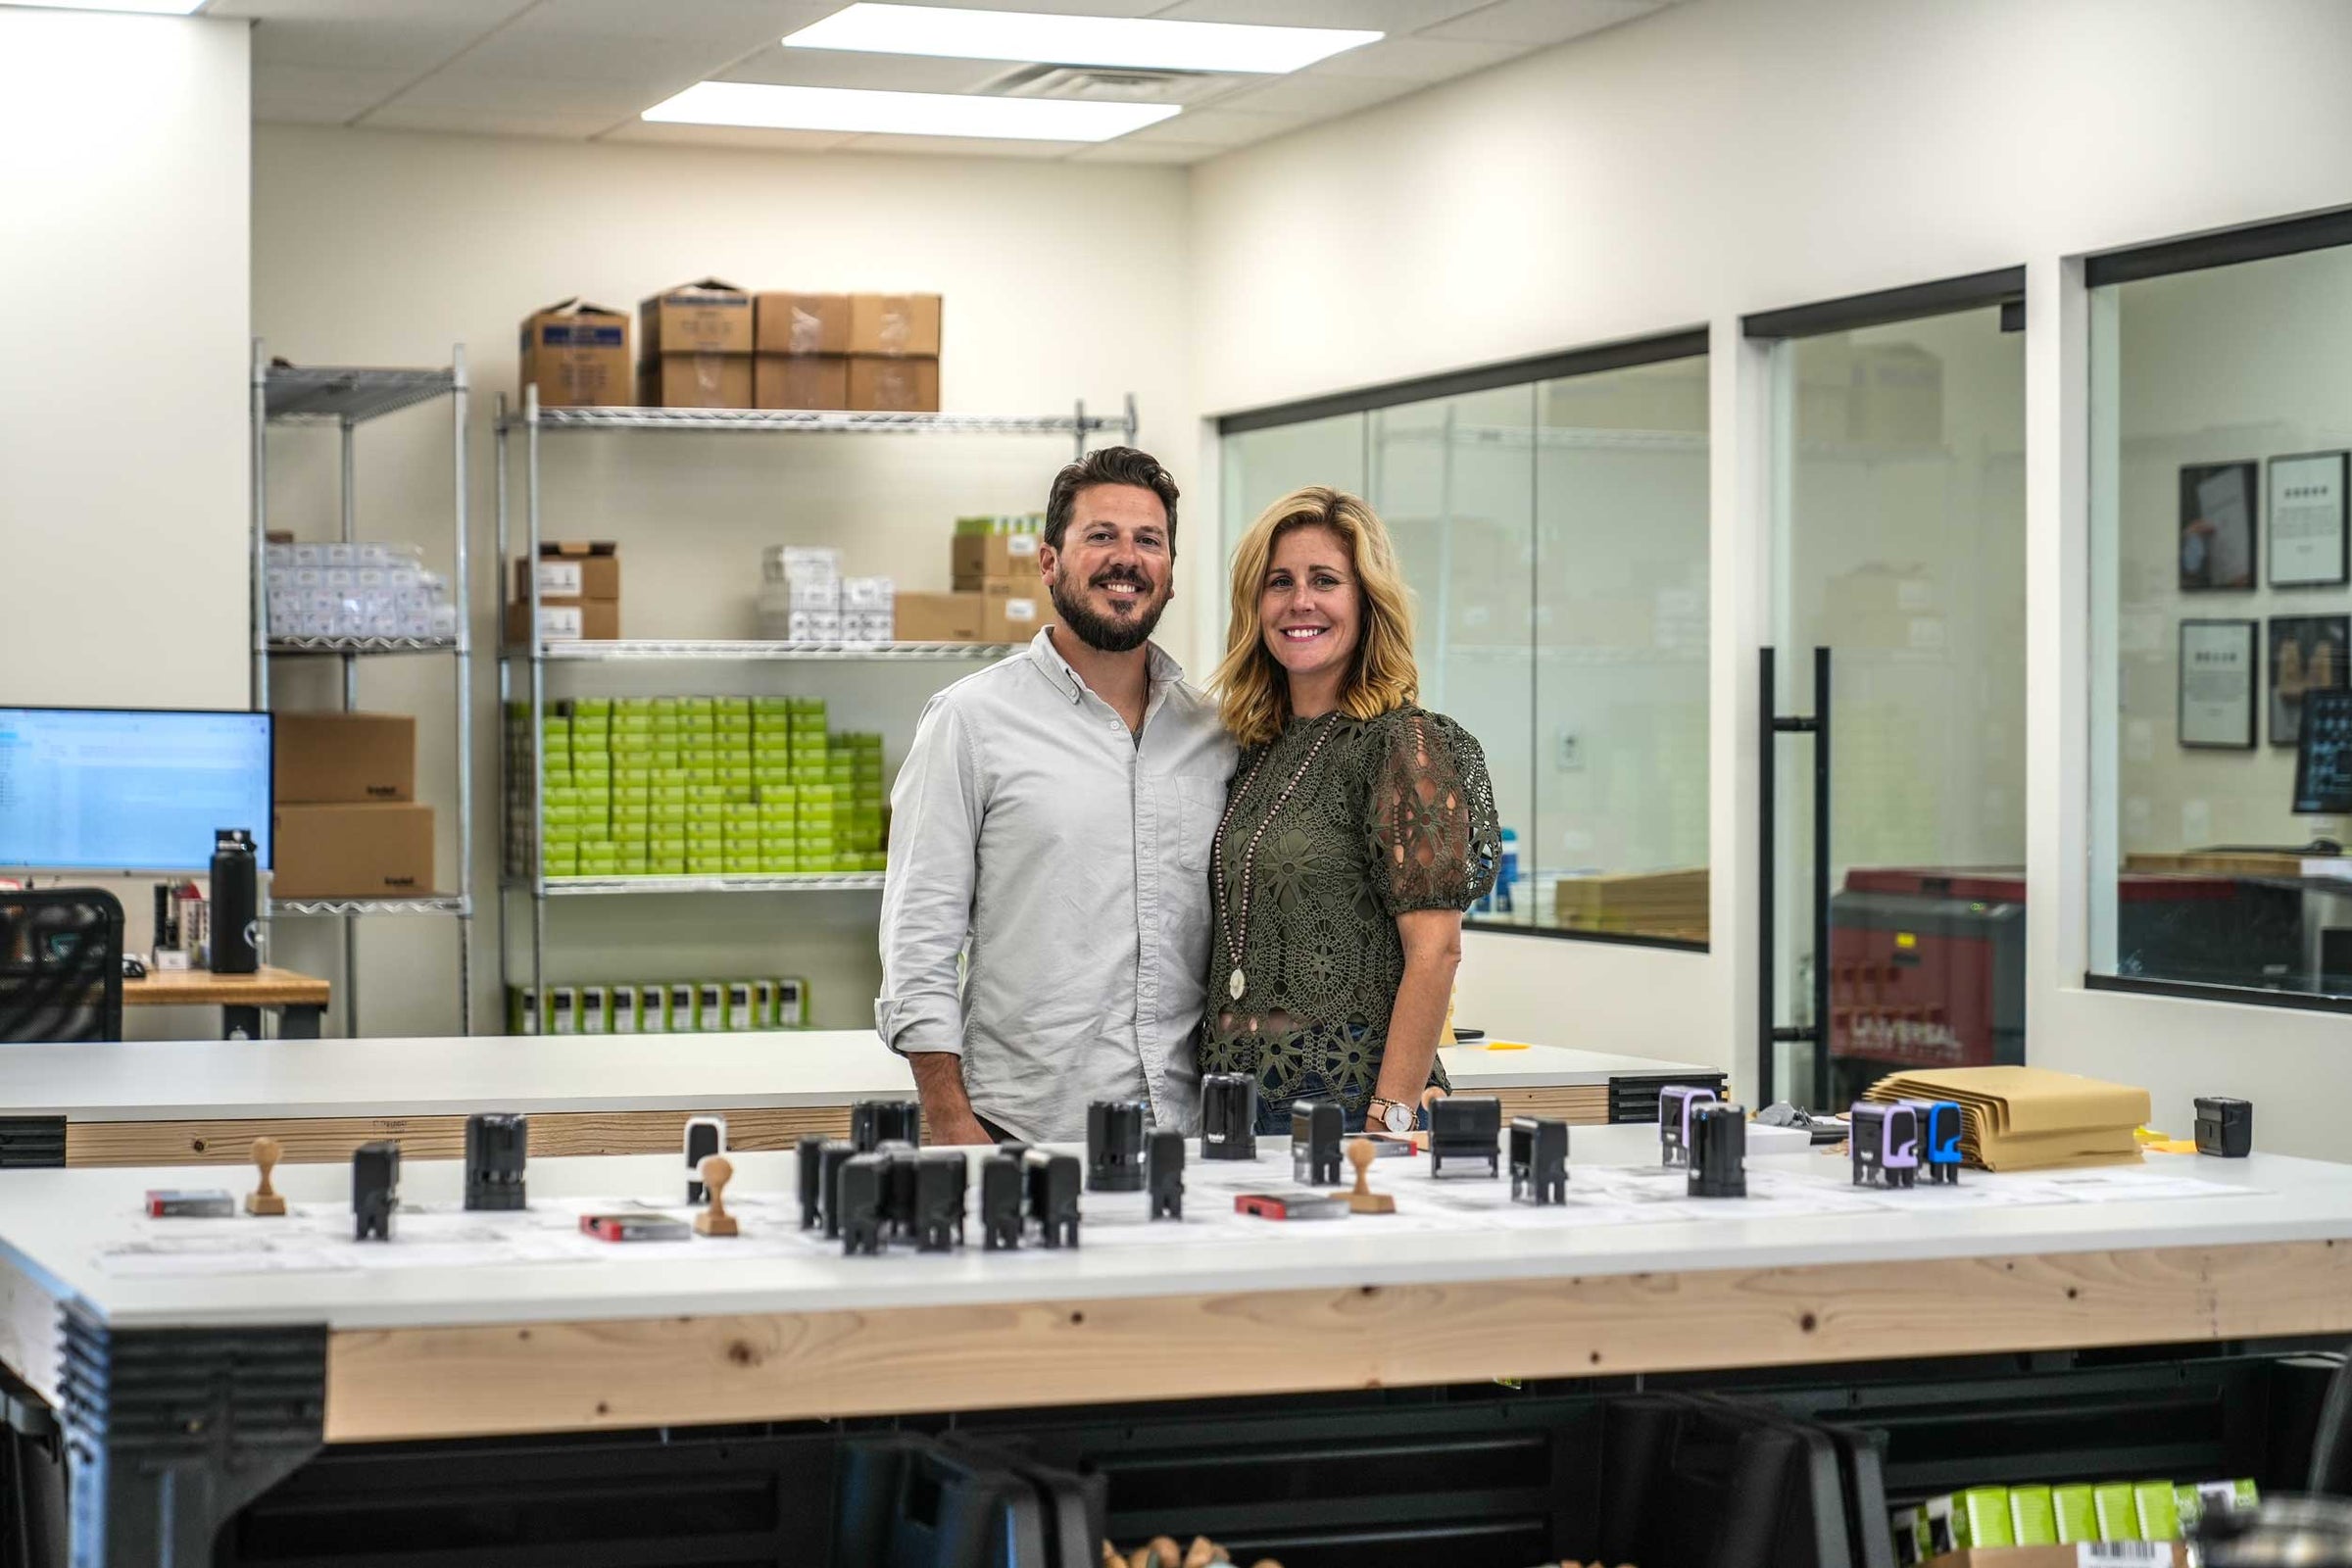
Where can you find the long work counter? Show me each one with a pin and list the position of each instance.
(496, 1326)
(153, 1102)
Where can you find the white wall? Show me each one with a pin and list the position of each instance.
(1722, 157)
(1061, 281)
(123, 161)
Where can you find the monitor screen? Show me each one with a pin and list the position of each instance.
(105, 789)
(2323, 755)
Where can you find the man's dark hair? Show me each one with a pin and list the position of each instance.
(1109, 466)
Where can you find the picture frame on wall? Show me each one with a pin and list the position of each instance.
(2311, 529)
(2308, 654)
(2216, 684)
(2217, 540)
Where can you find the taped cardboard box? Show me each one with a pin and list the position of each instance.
(579, 354)
(572, 568)
(940, 617)
(994, 554)
(893, 386)
(348, 757)
(708, 316)
(565, 621)
(348, 851)
(696, 382)
(801, 381)
(802, 323)
(899, 325)
(1013, 619)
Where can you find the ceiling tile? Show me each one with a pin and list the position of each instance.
(299, 112)
(1311, 95)
(486, 122)
(1215, 127)
(962, 146)
(790, 141)
(1380, 16)
(1060, 8)
(753, 22)
(604, 101)
(1536, 22)
(278, 89)
(370, 35)
(1127, 150)
(1418, 59)
(842, 67)
(536, 48)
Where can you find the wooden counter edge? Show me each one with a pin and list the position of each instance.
(558, 1377)
(201, 988)
(315, 1140)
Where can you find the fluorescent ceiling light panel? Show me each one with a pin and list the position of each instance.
(1033, 37)
(155, 8)
(903, 114)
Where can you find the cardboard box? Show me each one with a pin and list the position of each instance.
(801, 381)
(899, 325)
(345, 756)
(572, 568)
(940, 617)
(1025, 587)
(893, 386)
(596, 621)
(696, 382)
(705, 316)
(347, 851)
(996, 555)
(579, 354)
(1013, 619)
(2014, 1557)
(802, 323)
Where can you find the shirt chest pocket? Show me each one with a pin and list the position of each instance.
(1200, 804)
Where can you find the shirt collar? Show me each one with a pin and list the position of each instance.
(1164, 670)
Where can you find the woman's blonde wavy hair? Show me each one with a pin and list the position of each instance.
(1254, 695)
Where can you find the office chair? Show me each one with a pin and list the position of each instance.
(60, 965)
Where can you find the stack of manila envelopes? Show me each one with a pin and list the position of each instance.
(2031, 1118)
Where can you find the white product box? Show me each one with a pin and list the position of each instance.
(814, 626)
(867, 593)
(802, 563)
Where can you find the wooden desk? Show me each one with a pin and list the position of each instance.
(299, 999)
(289, 1363)
(148, 1102)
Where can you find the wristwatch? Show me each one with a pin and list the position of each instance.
(1388, 1115)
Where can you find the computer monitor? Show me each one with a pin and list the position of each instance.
(2323, 755)
(121, 788)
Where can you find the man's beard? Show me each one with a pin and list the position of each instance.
(1103, 632)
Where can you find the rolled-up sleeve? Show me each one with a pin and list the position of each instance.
(936, 807)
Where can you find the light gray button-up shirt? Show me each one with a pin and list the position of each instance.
(1066, 860)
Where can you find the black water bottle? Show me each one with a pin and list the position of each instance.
(237, 903)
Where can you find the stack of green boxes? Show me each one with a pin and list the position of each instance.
(1984, 1517)
(697, 786)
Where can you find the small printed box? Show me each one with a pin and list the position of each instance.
(2157, 1510)
(710, 1006)
(2115, 1511)
(563, 1010)
(683, 1017)
(653, 1009)
(524, 1014)
(2076, 1517)
(792, 1000)
(2033, 1520)
(596, 1010)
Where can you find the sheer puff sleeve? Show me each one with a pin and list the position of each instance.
(1435, 839)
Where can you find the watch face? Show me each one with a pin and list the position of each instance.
(1398, 1119)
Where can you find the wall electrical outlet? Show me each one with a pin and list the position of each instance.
(1572, 752)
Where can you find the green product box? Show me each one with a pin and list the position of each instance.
(696, 704)
(734, 724)
(631, 821)
(525, 1013)
(632, 777)
(778, 865)
(594, 706)
(710, 1006)
(569, 814)
(595, 1012)
(1966, 1520)
(632, 795)
(669, 815)
(705, 866)
(562, 1010)
(2076, 1519)
(560, 860)
(2115, 1511)
(743, 866)
(792, 1002)
(706, 811)
(633, 720)
(731, 705)
(602, 863)
(680, 1014)
(707, 794)
(826, 865)
(674, 794)
(2195, 1502)
(2032, 1521)
(2158, 1514)
(738, 775)
(744, 811)
(771, 705)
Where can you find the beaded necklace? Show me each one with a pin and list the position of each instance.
(1237, 939)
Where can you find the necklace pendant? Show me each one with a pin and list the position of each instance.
(1236, 986)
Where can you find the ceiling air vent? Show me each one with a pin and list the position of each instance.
(1114, 85)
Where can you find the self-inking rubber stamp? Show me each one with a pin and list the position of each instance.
(374, 1190)
(1883, 1139)
(1941, 1126)
(2224, 1126)
(1676, 1104)
(1316, 1131)
(940, 1177)
(1114, 1146)
(1465, 1128)
(859, 1194)
(496, 1149)
(1164, 1162)
(1001, 1201)
(1719, 1152)
(810, 1149)
(832, 1155)
(1228, 1116)
(874, 1122)
(1053, 1181)
(704, 1136)
(1538, 1160)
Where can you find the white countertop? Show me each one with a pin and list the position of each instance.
(202, 1079)
(52, 1222)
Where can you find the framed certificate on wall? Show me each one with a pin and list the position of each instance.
(2309, 655)
(2217, 525)
(2218, 659)
(2310, 544)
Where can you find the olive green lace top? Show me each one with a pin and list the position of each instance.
(1395, 815)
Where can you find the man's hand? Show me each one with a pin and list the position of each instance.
(947, 1116)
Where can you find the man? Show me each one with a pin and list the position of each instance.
(1051, 829)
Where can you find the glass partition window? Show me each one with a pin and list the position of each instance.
(2221, 620)
(1554, 532)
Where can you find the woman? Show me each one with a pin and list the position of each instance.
(1357, 828)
